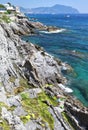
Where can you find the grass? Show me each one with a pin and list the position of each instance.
(49, 85)
(44, 97)
(25, 96)
(25, 119)
(1, 84)
(12, 79)
(2, 105)
(4, 125)
(36, 108)
(24, 83)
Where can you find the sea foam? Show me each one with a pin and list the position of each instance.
(56, 31)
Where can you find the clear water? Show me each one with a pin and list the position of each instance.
(71, 46)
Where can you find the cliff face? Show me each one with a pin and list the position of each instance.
(29, 82)
(18, 58)
(24, 66)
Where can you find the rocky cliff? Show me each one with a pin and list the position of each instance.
(30, 82)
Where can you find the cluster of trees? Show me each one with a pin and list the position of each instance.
(2, 6)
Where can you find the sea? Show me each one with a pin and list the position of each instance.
(70, 45)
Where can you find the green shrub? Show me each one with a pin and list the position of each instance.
(6, 19)
(8, 12)
(25, 96)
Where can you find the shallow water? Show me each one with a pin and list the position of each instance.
(70, 45)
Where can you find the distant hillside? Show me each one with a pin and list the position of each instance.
(56, 9)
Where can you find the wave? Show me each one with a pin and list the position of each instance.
(65, 89)
(56, 31)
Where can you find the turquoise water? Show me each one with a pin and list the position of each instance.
(71, 46)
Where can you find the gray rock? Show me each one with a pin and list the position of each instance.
(57, 123)
(77, 113)
(7, 116)
(20, 127)
(33, 125)
(1, 128)
(3, 97)
(19, 111)
(14, 101)
(13, 120)
(34, 92)
(18, 124)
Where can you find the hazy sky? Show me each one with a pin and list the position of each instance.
(81, 5)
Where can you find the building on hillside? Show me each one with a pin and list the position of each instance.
(17, 9)
(10, 8)
(2, 10)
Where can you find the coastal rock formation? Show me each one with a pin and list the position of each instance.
(30, 81)
(51, 29)
(23, 66)
(77, 114)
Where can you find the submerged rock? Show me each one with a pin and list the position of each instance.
(52, 28)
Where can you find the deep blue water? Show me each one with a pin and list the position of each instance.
(71, 46)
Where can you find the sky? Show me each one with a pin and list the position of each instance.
(81, 5)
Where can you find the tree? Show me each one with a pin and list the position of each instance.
(9, 3)
(2, 6)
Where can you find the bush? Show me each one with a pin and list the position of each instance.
(6, 19)
(8, 12)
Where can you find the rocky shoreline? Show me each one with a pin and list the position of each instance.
(30, 82)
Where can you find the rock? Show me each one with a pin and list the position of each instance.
(77, 114)
(19, 111)
(33, 125)
(14, 101)
(18, 125)
(7, 116)
(57, 123)
(34, 92)
(18, 52)
(35, 69)
(13, 120)
(3, 97)
(52, 28)
(1, 128)
(38, 25)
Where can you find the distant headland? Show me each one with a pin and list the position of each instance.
(56, 9)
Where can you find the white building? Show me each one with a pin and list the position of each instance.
(17, 9)
(9, 7)
(2, 11)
